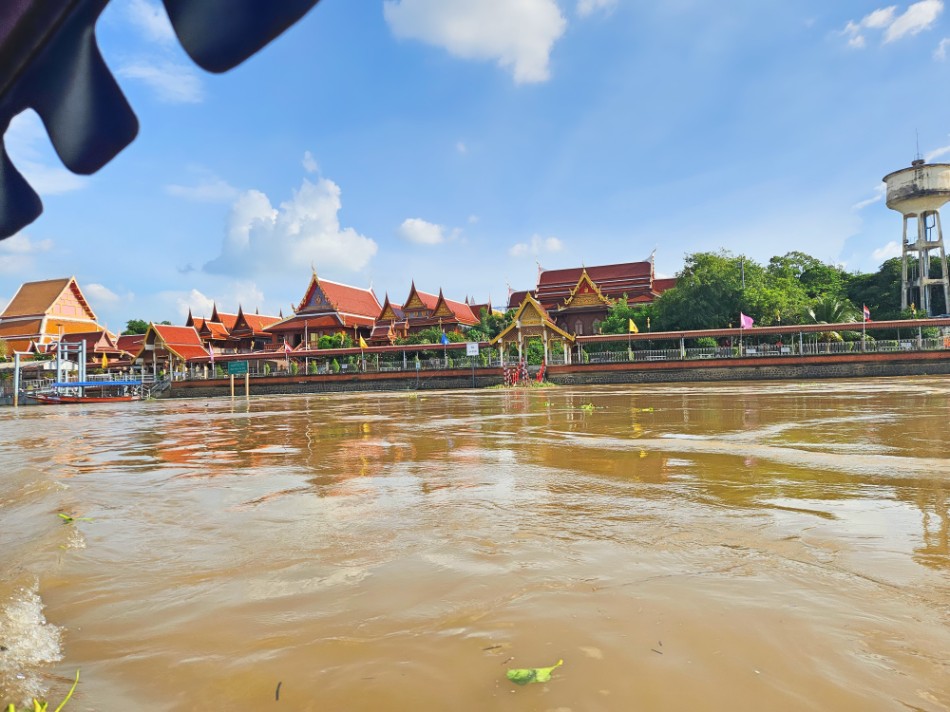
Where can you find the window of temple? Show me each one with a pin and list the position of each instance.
(595, 328)
(579, 327)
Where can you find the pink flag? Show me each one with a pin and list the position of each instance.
(211, 353)
(745, 322)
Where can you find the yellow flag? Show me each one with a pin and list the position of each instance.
(105, 361)
(632, 327)
(363, 344)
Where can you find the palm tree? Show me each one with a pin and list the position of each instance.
(828, 309)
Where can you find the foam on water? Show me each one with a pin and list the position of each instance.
(28, 645)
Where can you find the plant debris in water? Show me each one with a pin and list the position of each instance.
(525, 676)
(44, 706)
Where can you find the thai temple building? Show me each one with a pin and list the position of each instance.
(577, 299)
(328, 308)
(41, 312)
(234, 333)
(168, 348)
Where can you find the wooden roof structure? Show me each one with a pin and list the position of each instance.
(42, 311)
(328, 305)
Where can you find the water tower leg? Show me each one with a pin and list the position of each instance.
(923, 263)
(905, 287)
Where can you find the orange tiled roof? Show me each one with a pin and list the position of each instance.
(258, 322)
(463, 312)
(22, 327)
(181, 340)
(351, 300)
(130, 343)
(35, 298)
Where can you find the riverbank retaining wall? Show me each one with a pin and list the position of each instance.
(742, 369)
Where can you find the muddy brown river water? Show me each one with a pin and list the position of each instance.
(772, 546)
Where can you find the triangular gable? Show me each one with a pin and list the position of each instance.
(314, 299)
(418, 302)
(586, 293)
(390, 311)
(456, 311)
(531, 313)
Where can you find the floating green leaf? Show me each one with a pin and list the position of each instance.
(524, 676)
(69, 520)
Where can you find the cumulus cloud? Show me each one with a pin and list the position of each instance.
(421, 232)
(517, 34)
(586, 8)
(150, 20)
(30, 150)
(208, 189)
(195, 302)
(310, 163)
(891, 249)
(940, 54)
(536, 246)
(305, 229)
(17, 253)
(172, 82)
(918, 17)
(101, 294)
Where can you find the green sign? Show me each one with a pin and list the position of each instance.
(237, 368)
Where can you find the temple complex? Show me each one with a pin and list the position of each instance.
(578, 298)
(423, 311)
(41, 312)
(328, 308)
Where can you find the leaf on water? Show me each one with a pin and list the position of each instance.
(66, 518)
(524, 676)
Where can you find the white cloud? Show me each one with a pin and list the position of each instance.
(196, 302)
(937, 153)
(918, 17)
(100, 293)
(940, 53)
(536, 246)
(879, 192)
(306, 229)
(172, 82)
(31, 152)
(310, 163)
(209, 189)
(585, 8)
(891, 249)
(17, 253)
(421, 232)
(517, 34)
(151, 21)
(472, 219)
(461, 147)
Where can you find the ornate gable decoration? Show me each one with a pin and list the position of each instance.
(533, 320)
(586, 294)
(442, 309)
(414, 307)
(315, 300)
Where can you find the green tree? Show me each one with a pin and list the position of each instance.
(490, 325)
(619, 315)
(713, 287)
(814, 276)
(135, 326)
(879, 291)
(335, 341)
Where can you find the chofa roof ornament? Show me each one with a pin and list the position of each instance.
(50, 62)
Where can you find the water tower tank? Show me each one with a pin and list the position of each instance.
(918, 193)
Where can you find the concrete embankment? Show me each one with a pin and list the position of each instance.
(739, 369)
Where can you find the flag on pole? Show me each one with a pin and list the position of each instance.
(445, 339)
(363, 344)
(105, 361)
(745, 322)
(286, 347)
(211, 354)
(632, 327)
(867, 312)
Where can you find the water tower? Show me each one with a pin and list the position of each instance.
(918, 193)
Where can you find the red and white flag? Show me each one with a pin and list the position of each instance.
(286, 348)
(867, 313)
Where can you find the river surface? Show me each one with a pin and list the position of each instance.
(770, 546)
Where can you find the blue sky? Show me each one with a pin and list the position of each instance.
(461, 142)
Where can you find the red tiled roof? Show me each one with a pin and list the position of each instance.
(182, 340)
(613, 281)
(216, 330)
(29, 327)
(351, 300)
(463, 312)
(130, 342)
(227, 320)
(258, 322)
(515, 298)
(297, 323)
(661, 285)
